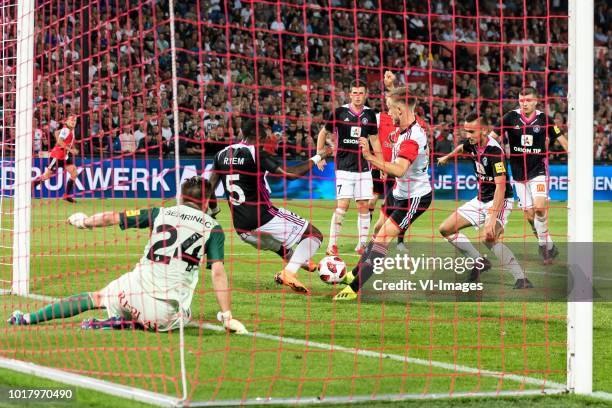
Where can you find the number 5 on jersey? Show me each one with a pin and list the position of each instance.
(235, 193)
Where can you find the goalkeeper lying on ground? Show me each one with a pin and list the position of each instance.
(158, 292)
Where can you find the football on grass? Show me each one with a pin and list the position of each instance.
(332, 269)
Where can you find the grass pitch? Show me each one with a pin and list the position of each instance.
(522, 339)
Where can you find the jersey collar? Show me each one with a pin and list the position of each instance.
(528, 120)
(354, 112)
(409, 127)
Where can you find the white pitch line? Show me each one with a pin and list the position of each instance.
(394, 357)
(373, 354)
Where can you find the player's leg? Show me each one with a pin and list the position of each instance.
(363, 194)
(363, 225)
(377, 191)
(540, 208)
(524, 194)
(469, 214)
(73, 173)
(49, 171)
(505, 254)
(308, 245)
(342, 205)
(399, 215)
(376, 249)
(64, 308)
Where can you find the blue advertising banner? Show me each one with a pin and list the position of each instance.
(142, 178)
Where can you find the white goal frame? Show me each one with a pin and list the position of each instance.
(580, 202)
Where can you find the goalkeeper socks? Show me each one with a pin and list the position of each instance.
(69, 187)
(336, 226)
(541, 226)
(365, 268)
(463, 243)
(68, 307)
(363, 225)
(303, 252)
(505, 255)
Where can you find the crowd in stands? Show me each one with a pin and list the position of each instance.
(302, 68)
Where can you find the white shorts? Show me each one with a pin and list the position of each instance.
(285, 229)
(476, 212)
(352, 184)
(528, 190)
(125, 298)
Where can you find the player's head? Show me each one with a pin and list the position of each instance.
(528, 100)
(401, 104)
(196, 191)
(71, 121)
(253, 130)
(476, 127)
(358, 92)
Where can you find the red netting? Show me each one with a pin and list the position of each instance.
(287, 64)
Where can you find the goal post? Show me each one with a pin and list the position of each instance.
(580, 196)
(23, 147)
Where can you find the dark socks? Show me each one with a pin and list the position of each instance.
(68, 307)
(365, 268)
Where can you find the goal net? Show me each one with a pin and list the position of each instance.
(153, 109)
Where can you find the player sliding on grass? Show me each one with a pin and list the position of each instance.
(61, 156)
(241, 167)
(411, 195)
(157, 294)
(528, 133)
(491, 208)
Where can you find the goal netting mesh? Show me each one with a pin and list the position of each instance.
(288, 64)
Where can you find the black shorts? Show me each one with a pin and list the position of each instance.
(382, 187)
(404, 212)
(54, 164)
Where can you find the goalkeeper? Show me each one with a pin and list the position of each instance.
(157, 294)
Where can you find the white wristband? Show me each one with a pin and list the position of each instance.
(316, 159)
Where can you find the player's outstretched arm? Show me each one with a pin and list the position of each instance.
(294, 172)
(219, 281)
(103, 219)
(444, 159)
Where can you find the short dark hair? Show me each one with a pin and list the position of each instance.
(196, 189)
(528, 90)
(475, 116)
(356, 83)
(253, 128)
(402, 95)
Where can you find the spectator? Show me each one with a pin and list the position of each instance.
(128, 140)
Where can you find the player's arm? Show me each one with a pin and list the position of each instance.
(214, 250)
(456, 151)
(555, 133)
(294, 172)
(324, 134)
(408, 153)
(142, 218)
(213, 207)
(389, 80)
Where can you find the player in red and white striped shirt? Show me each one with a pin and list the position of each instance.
(61, 156)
